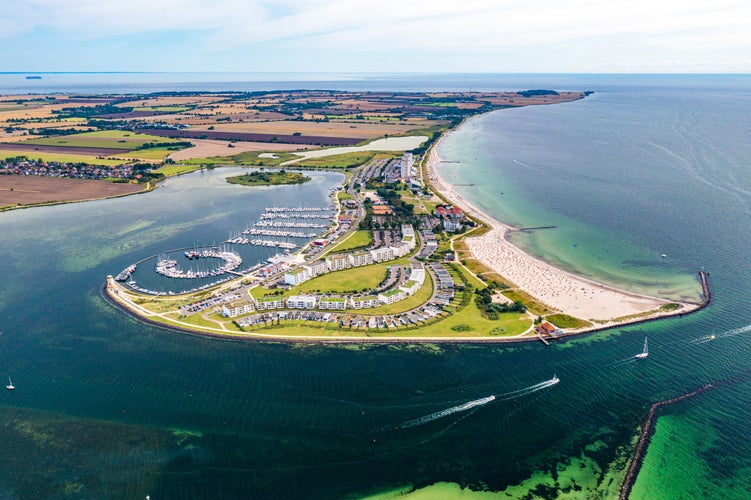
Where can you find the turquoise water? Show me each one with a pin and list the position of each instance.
(107, 407)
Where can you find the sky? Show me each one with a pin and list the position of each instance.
(379, 36)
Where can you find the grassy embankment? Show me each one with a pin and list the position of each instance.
(360, 239)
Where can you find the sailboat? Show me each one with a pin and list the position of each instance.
(645, 352)
(10, 385)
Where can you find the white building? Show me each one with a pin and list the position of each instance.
(237, 309)
(266, 303)
(417, 272)
(302, 301)
(333, 303)
(452, 225)
(401, 249)
(382, 254)
(410, 287)
(406, 166)
(316, 268)
(297, 276)
(364, 302)
(337, 263)
(360, 259)
(392, 296)
(408, 230)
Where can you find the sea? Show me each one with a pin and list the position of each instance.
(642, 184)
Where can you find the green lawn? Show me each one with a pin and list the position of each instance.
(171, 170)
(356, 278)
(361, 238)
(346, 160)
(250, 158)
(148, 154)
(420, 297)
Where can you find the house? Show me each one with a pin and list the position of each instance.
(382, 210)
(546, 328)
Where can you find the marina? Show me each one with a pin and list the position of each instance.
(269, 232)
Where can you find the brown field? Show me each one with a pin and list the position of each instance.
(206, 148)
(224, 135)
(173, 101)
(358, 130)
(30, 190)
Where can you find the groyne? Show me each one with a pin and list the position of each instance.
(646, 436)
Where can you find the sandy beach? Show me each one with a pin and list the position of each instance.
(558, 289)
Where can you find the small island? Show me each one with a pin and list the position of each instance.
(268, 178)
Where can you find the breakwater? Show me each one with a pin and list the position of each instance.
(646, 436)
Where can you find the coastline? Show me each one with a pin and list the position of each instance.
(605, 306)
(558, 289)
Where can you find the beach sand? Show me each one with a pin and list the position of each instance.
(558, 289)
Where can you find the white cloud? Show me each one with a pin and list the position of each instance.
(387, 25)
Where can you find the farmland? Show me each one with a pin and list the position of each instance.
(234, 128)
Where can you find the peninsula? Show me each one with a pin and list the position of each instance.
(397, 254)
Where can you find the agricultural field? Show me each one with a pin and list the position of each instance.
(106, 139)
(30, 190)
(8, 152)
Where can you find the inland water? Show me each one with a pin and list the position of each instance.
(107, 407)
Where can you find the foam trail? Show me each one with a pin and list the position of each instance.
(446, 412)
(728, 333)
(528, 390)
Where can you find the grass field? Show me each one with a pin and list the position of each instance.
(113, 139)
(59, 157)
(354, 279)
(361, 238)
(147, 154)
(250, 158)
(171, 170)
(346, 160)
(420, 297)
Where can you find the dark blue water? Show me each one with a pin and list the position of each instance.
(108, 407)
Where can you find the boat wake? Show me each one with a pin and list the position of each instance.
(528, 390)
(445, 413)
(729, 333)
(478, 402)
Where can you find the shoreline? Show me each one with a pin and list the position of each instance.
(558, 289)
(490, 249)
